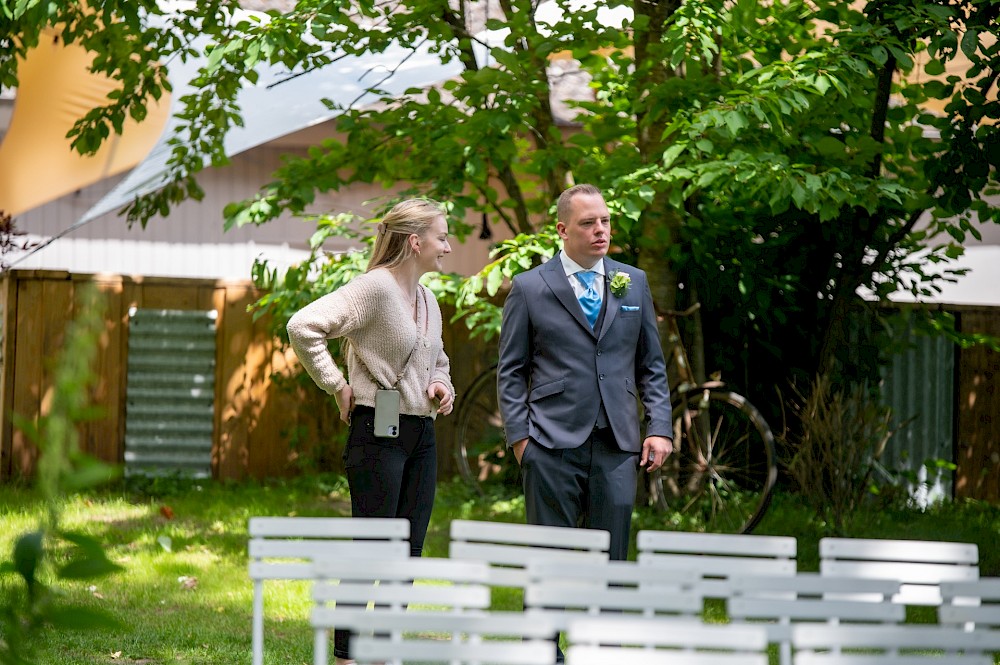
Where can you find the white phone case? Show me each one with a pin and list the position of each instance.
(387, 413)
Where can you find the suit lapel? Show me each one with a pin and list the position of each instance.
(555, 277)
(612, 302)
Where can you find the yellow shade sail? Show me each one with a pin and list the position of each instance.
(55, 89)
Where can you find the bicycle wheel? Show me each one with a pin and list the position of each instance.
(481, 452)
(722, 472)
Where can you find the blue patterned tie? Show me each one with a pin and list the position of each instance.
(590, 300)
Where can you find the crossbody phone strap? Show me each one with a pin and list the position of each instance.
(399, 377)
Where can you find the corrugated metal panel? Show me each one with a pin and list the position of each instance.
(919, 384)
(170, 391)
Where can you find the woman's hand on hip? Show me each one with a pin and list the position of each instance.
(440, 392)
(345, 402)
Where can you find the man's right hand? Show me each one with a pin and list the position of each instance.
(518, 449)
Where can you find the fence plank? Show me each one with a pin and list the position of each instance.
(232, 454)
(8, 344)
(978, 447)
(27, 373)
(103, 438)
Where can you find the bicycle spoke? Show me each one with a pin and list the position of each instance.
(481, 453)
(723, 471)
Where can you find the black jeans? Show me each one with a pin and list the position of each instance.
(390, 478)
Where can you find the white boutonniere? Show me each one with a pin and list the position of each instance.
(620, 282)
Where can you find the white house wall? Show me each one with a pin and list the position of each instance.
(191, 242)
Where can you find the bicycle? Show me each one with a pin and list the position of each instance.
(720, 476)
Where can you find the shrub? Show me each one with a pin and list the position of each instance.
(831, 454)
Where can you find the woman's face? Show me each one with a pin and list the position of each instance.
(433, 245)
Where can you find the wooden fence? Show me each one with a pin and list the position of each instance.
(977, 429)
(266, 427)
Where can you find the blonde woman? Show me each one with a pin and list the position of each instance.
(396, 356)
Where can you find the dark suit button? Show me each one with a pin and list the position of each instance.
(601, 377)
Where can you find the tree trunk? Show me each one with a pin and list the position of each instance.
(661, 221)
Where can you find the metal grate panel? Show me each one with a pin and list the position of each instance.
(919, 384)
(170, 390)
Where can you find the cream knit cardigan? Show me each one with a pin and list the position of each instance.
(376, 316)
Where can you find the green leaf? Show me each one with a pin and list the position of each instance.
(90, 473)
(879, 55)
(830, 146)
(28, 555)
(251, 56)
(672, 153)
(22, 6)
(80, 618)
(87, 567)
(934, 67)
(82, 540)
(735, 121)
(493, 281)
(970, 44)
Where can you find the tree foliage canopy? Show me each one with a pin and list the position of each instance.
(766, 159)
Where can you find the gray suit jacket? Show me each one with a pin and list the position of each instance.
(555, 371)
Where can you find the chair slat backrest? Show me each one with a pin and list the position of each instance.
(372, 650)
(508, 548)
(781, 601)
(717, 556)
(883, 659)
(570, 590)
(588, 655)
(283, 548)
(360, 589)
(920, 565)
(670, 634)
(502, 638)
(981, 590)
(926, 640)
(723, 544)
(454, 585)
(975, 605)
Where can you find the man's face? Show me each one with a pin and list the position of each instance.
(586, 233)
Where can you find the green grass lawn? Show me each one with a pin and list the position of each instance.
(184, 595)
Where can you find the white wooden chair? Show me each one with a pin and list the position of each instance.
(499, 638)
(565, 591)
(884, 659)
(974, 605)
(352, 593)
(717, 556)
(663, 641)
(509, 547)
(778, 602)
(906, 644)
(920, 565)
(283, 548)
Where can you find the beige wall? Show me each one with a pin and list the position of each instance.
(201, 222)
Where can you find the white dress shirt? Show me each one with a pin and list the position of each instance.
(572, 267)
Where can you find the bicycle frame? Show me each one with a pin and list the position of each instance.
(682, 380)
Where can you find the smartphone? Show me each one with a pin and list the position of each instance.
(387, 413)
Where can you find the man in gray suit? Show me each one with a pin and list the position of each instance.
(578, 349)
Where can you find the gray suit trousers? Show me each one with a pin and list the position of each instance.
(591, 486)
